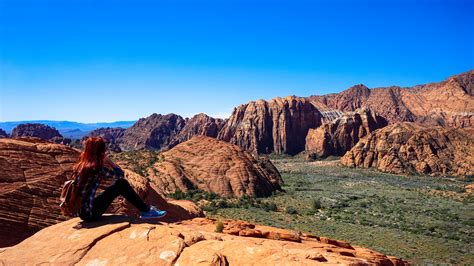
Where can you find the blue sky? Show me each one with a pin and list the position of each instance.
(91, 61)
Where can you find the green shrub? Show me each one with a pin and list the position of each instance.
(291, 210)
(219, 227)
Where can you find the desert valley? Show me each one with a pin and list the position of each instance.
(365, 176)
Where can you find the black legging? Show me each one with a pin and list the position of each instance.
(104, 199)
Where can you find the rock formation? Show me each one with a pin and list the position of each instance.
(113, 136)
(213, 165)
(32, 172)
(35, 130)
(200, 124)
(411, 148)
(116, 240)
(446, 103)
(3, 134)
(279, 125)
(154, 132)
(339, 136)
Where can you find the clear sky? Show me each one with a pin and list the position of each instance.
(91, 61)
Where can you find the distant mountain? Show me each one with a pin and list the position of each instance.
(70, 129)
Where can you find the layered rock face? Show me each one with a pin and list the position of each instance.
(446, 103)
(32, 172)
(113, 136)
(200, 124)
(279, 125)
(35, 130)
(215, 166)
(118, 241)
(3, 134)
(154, 132)
(339, 136)
(411, 148)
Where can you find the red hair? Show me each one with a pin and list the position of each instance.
(91, 159)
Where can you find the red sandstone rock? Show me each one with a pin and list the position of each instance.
(154, 132)
(339, 136)
(448, 103)
(32, 172)
(200, 124)
(113, 136)
(216, 166)
(411, 148)
(35, 130)
(115, 240)
(279, 125)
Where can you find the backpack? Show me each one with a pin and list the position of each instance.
(70, 199)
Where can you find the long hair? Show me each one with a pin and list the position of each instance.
(91, 159)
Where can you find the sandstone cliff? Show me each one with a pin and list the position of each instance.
(446, 103)
(212, 165)
(32, 172)
(339, 136)
(411, 148)
(154, 132)
(118, 241)
(276, 126)
(200, 124)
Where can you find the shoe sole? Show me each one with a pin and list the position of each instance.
(153, 217)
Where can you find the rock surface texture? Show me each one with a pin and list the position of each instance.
(411, 148)
(113, 136)
(276, 126)
(215, 166)
(200, 124)
(32, 172)
(35, 130)
(154, 132)
(115, 240)
(446, 103)
(340, 135)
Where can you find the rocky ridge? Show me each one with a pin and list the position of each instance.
(154, 132)
(411, 148)
(276, 126)
(200, 124)
(214, 166)
(340, 135)
(446, 103)
(118, 240)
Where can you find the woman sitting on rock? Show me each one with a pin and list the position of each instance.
(94, 165)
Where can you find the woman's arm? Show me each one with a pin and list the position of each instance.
(112, 170)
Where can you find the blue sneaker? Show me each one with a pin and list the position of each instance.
(152, 213)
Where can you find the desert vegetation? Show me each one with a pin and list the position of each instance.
(419, 218)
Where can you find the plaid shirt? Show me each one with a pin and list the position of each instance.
(93, 182)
